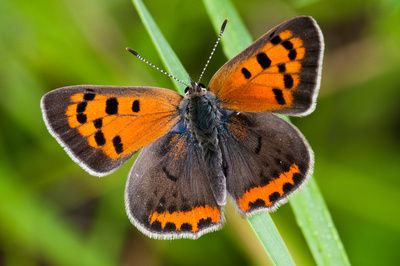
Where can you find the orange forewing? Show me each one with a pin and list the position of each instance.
(130, 122)
(267, 75)
(256, 93)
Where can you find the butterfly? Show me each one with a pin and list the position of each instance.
(199, 148)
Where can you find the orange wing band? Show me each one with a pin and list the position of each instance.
(267, 195)
(192, 220)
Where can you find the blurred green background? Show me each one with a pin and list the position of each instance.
(53, 213)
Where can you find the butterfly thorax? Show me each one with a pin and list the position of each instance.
(202, 118)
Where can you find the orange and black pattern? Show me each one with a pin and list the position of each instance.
(185, 220)
(266, 159)
(168, 193)
(278, 72)
(103, 126)
(200, 147)
(274, 188)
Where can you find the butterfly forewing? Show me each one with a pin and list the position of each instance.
(279, 72)
(101, 127)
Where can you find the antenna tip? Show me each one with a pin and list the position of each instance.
(224, 24)
(132, 51)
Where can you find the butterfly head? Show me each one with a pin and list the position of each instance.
(195, 90)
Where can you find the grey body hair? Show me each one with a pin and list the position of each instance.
(203, 119)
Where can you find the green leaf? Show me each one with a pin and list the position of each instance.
(266, 231)
(308, 205)
(34, 225)
(236, 36)
(165, 51)
(314, 219)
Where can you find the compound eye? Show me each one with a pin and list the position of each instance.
(202, 85)
(187, 90)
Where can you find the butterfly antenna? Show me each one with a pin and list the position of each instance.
(138, 56)
(214, 48)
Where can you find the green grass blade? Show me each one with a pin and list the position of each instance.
(308, 205)
(236, 36)
(314, 219)
(34, 226)
(268, 235)
(168, 56)
(280, 254)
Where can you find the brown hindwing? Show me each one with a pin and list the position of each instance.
(265, 160)
(168, 194)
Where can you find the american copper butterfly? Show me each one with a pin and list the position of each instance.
(212, 142)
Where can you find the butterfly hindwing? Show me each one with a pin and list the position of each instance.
(101, 127)
(279, 72)
(265, 160)
(168, 194)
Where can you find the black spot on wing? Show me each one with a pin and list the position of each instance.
(185, 227)
(156, 226)
(81, 107)
(274, 196)
(82, 118)
(136, 106)
(88, 96)
(118, 144)
(282, 67)
(279, 96)
(246, 73)
(257, 204)
(287, 187)
(99, 138)
(112, 106)
(204, 223)
(292, 54)
(276, 39)
(169, 227)
(288, 80)
(263, 60)
(287, 44)
(297, 178)
(98, 123)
